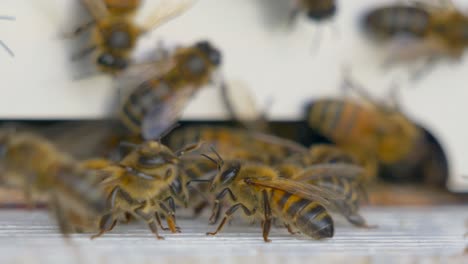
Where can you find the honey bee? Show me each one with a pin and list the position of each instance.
(114, 32)
(259, 191)
(146, 183)
(4, 46)
(316, 10)
(373, 132)
(157, 103)
(434, 31)
(234, 143)
(31, 163)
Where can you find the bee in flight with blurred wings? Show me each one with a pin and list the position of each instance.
(115, 33)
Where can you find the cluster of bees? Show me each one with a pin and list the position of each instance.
(271, 179)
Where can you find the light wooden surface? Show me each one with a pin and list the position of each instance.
(404, 235)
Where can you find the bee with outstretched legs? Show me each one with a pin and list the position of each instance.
(146, 183)
(31, 163)
(4, 46)
(157, 103)
(115, 33)
(419, 30)
(259, 191)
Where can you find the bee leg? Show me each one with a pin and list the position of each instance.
(64, 227)
(80, 29)
(228, 214)
(158, 220)
(267, 212)
(199, 208)
(216, 207)
(170, 218)
(290, 229)
(357, 220)
(106, 224)
(149, 218)
(83, 53)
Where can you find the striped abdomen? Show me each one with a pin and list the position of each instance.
(343, 122)
(309, 217)
(144, 98)
(389, 21)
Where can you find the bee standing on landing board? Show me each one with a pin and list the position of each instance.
(259, 191)
(145, 183)
(31, 163)
(374, 133)
(434, 31)
(114, 32)
(157, 103)
(4, 46)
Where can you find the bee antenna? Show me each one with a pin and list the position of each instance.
(211, 159)
(167, 131)
(221, 161)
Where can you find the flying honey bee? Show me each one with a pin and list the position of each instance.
(145, 184)
(259, 191)
(423, 30)
(157, 103)
(5, 47)
(373, 132)
(115, 33)
(31, 163)
(316, 10)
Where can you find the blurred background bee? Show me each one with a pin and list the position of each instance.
(419, 30)
(31, 163)
(260, 192)
(315, 10)
(115, 33)
(379, 135)
(157, 102)
(4, 46)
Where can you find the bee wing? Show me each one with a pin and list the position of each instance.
(330, 170)
(162, 116)
(167, 11)
(97, 8)
(304, 190)
(274, 140)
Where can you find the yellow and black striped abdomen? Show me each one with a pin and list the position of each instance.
(386, 22)
(309, 217)
(342, 121)
(147, 95)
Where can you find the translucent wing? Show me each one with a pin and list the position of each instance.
(163, 115)
(167, 11)
(307, 191)
(97, 8)
(291, 145)
(330, 170)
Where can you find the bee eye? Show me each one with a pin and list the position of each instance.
(229, 174)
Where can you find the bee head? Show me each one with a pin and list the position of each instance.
(153, 154)
(227, 171)
(179, 190)
(111, 62)
(212, 53)
(321, 14)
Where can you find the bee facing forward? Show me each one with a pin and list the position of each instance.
(258, 190)
(29, 162)
(434, 31)
(157, 103)
(316, 10)
(146, 183)
(114, 32)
